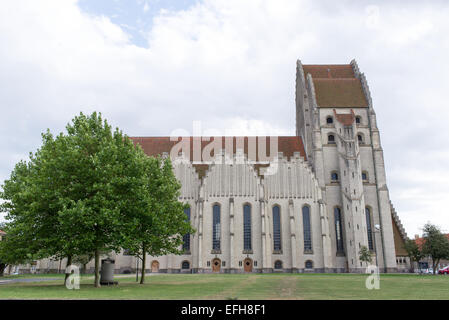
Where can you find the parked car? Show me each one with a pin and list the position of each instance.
(426, 271)
(444, 270)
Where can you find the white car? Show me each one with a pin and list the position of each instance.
(427, 271)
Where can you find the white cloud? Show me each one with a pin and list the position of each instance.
(231, 64)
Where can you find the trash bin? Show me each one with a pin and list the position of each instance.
(107, 272)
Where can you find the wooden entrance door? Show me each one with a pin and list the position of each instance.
(154, 266)
(248, 265)
(216, 264)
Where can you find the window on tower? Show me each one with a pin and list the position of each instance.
(360, 138)
(334, 177)
(331, 139)
(329, 120)
(365, 176)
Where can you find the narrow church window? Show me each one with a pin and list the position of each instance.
(369, 229)
(331, 139)
(247, 227)
(338, 231)
(277, 229)
(358, 119)
(186, 237)
(364, 176)
(360, 138)
(334, 177)
(216, 228)
(329, 120)
(307, 229)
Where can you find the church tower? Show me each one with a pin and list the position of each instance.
(336, 120)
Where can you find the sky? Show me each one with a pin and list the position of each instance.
(152, 67)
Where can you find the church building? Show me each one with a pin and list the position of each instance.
(303, 203)
(290, 204)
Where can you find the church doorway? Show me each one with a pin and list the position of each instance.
(154, 266)
(216, 264)
(248, 265)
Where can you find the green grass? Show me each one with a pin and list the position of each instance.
(241, 286)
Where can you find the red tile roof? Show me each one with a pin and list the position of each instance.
(153, 146)
(346, 118)
(329, 70)
(420, 241)
(336, 86)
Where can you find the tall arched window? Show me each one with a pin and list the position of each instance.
(369, 229)
(307, 229)
(338, 230)
(216, 228)
(331, 139)
(186, 238)
(277, 243)
(247, 227)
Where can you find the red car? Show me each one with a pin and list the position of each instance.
(444, 270)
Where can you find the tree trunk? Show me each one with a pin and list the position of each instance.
(97, 268)
(2, 269)
(69, 263)
(144, 259)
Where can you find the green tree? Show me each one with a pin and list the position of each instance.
(413, 251)
(436, 244)
(13, 250)
(365, 255)
(83, 260)
(73, 196)
(160, 222)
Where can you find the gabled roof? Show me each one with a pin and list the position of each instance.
(153, 146)
(2, 232)
(336, 86)
(334, 71)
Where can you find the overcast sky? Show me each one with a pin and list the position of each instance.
(155, 66)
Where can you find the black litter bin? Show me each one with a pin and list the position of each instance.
(107, 272)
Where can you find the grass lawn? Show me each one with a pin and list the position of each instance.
(241, 286)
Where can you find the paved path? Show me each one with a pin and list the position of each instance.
(27, 280)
